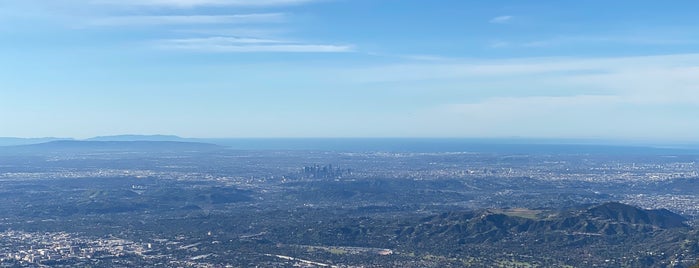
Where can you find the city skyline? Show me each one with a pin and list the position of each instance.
(334, 68)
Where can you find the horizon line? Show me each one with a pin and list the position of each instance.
(568, 139)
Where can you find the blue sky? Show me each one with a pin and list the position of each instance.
(350, 68)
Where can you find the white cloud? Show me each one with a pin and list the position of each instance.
(580, 116)
(259, 31)
(245, 45)
(501, 19)
(499, 44)
(644, 97)
(413, 57)
(195, 3)
(197, 29)
(188, 20)
(218, 38)
(650, 39)
(551, 67)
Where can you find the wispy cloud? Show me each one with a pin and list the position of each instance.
(501, 19)
(620, 39)
(238, 30)
(499, 44)
(640, 97)
(188, 20)
(657, 80)
(412, 57)
(206, 25)
(247, 45)
(584, 116)
(196, 3)
(216, 36)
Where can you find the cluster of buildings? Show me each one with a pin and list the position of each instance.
(63, 248)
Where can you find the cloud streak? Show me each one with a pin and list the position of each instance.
(646, 39)
(198, 28)
(247, 45)
(188, 20)
(213, 39)
(197, 3)
(501, 19)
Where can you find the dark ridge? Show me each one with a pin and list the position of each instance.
(608, 219)
(619, 212)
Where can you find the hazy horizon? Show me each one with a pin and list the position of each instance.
(284, 140)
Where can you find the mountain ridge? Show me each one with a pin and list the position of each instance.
(607, 219)
(12, 141)
(110, 146)
(136, 137)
